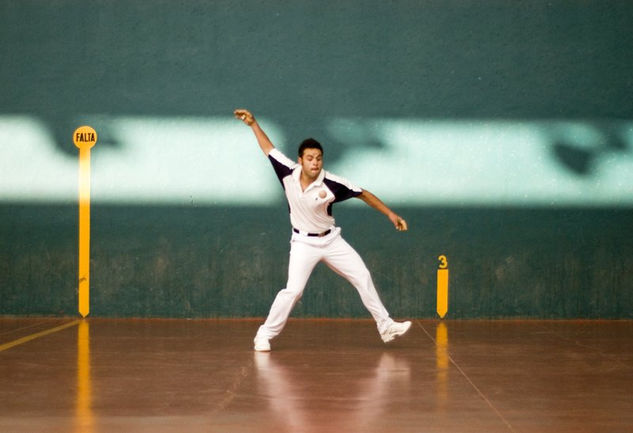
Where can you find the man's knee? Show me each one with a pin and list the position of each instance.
(361, 278)
(291, 293)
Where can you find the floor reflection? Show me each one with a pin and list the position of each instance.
(84, 420)
(442, 363)
(294, 387)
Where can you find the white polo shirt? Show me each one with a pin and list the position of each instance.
(310, 210)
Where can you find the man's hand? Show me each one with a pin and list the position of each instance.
(245, 116)
(399, 223)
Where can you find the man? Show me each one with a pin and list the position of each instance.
(311, 192)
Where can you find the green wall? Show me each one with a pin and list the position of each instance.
(301, 65)
(229, 262)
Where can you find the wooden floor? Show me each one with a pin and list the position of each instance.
(106, 375)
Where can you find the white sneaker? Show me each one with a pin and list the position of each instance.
(396, 329)
(262, 344)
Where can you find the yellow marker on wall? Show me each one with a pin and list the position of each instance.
(84, 138)
(442, 287)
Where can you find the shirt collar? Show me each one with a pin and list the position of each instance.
(296, 174)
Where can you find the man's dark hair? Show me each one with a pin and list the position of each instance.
(309, 143)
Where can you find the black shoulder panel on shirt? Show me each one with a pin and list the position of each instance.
(280, 169)
(341, 192)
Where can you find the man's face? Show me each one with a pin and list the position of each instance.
(311, 162)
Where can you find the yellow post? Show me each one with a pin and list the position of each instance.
(442, 287)
(84, 138)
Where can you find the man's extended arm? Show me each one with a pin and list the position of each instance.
(262, 139)
(373, 201)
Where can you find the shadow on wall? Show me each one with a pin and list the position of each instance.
(580, 155)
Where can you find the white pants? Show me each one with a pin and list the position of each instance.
(305, 253)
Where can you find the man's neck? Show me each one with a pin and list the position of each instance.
(305, 180)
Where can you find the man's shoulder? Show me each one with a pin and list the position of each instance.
(339, 180)
(279, 157)
(282, 165)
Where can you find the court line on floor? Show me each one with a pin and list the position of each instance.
(31, 337)
(22, 328)
(463, 373)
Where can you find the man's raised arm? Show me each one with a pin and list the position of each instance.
(262, 139)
